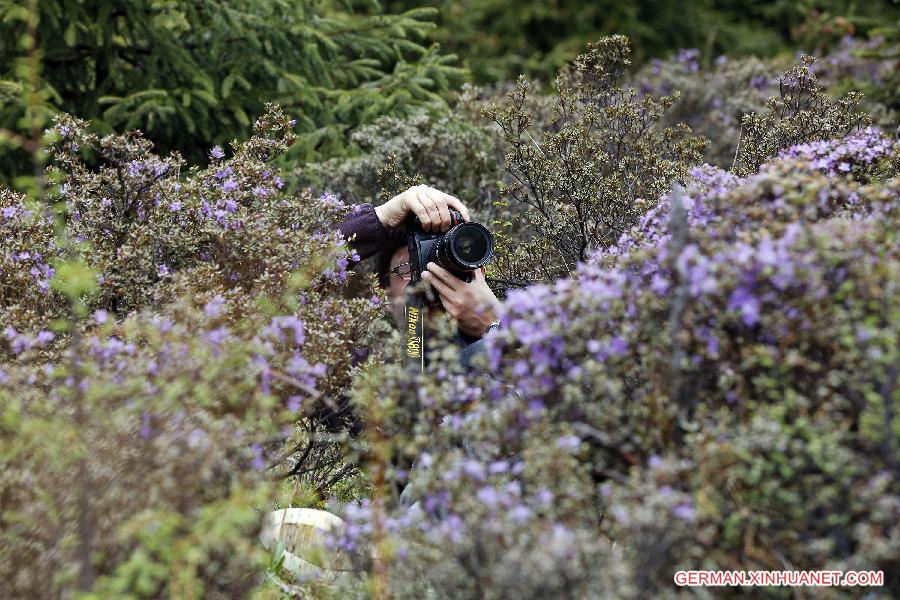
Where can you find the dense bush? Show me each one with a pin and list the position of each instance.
(716, 391)
(582, 181)
(447, 152)
(706, 378)
(712, 101)
(714, 98)
(177, 337)
(801, 112)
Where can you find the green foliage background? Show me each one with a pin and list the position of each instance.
(192, 73)
(500, 39)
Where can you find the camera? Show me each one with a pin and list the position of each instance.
(462, 249)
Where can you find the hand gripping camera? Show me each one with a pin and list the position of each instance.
(462, 249)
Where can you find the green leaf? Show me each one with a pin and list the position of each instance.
(241, 115)
(74, 279)
(69, 37)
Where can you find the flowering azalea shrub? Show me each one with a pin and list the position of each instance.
(714, 98)
(716, 391)
(179, 341)
(708, 383)
(582, 181)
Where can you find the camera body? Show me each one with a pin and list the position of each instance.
(462, 249)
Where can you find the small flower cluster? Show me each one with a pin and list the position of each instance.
(26, 271)
(859, 152)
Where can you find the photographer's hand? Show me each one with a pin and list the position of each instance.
(473, 305)
(430, 205)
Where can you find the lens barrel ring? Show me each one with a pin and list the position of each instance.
(465, 247)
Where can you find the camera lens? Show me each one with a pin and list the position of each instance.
(465, 247)
(471, 245)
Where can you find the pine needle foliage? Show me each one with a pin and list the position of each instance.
(192, 73)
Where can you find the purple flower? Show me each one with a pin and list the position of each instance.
(214, 307)
(743, 301)
(259, 463)
(196, 437)
(544, 497)
(472, 469)
(164, 324)
(230, 185)
(568, 442)
(618, 346)
(175, 206)
(331, 201)
(216, 336)
(520, 513)
(685, 512)
(498, 466)
(217, 152)
(488, 496)
(145, 430)
(289, 323)
(45, 337)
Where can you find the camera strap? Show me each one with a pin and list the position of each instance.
(414, 331)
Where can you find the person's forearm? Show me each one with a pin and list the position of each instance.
(363, 227)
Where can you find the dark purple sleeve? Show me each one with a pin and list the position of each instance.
(368, 235)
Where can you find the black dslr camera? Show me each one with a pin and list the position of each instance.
(462, 249)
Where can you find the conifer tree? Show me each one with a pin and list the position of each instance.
(192, 73)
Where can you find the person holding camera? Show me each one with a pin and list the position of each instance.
(442, 232)
(449, 252)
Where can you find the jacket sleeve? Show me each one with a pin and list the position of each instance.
(366, 233)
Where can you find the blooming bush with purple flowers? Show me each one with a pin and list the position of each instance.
(717, 390)
(177, 341)
(715, 97)
(711, 385)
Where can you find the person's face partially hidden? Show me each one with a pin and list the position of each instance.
(397, 287)
(397, 284)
